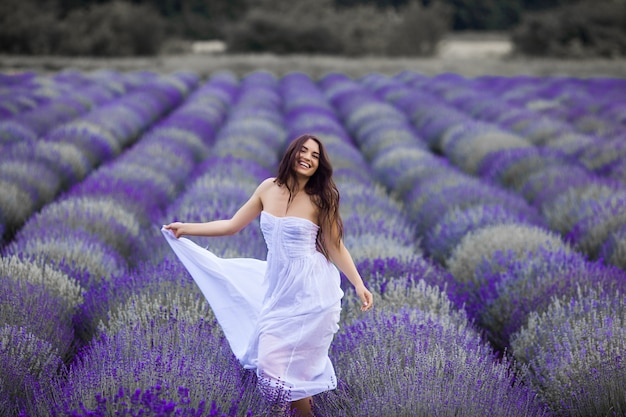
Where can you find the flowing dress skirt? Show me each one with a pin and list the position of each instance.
(279, 315)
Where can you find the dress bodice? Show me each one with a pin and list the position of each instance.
(289, 236)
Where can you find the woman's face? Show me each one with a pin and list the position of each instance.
(308, 158)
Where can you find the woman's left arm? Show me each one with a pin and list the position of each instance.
(342, 258)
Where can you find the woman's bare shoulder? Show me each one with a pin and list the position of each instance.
(266, 184)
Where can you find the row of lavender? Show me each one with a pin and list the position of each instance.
(77, 243)
(65, 138)
(22, 92)
(575, 179)
(222, 184)
(526, 287)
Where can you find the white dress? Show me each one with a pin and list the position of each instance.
(279, 315)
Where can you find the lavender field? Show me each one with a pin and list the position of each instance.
(487, 214)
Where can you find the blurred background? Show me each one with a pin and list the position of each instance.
(393, 28)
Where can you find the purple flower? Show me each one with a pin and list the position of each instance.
(446, 234)
(575, 353)
(28, 365)
(417, 360)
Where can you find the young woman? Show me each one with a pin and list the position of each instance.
(280, 315)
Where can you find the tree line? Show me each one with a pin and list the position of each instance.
(348, 27)
(466, 14)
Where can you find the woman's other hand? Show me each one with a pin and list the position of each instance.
(366, 297)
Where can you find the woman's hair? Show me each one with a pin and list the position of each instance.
(320, 186)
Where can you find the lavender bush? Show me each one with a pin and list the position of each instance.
(442, 238)
(225, 184)
(604, 217)
(23, 92)
(25, 303)
(511, 167)
(68, 162)
(401, 168)
(575, 353)
(437, 197)
(150, 401)
(17, 204)
(570, 143)
(100, 205)
(515, 287)
(416, 285)
(55, 283)
(466, 145)
(515, 164)
(170, 354)
(78, 253)
(614, 248)
(114, 224)
(547, 184)
(520, 239)
(166, 276)
(572, 205)
(28, 364)
(420, 363)
(29, 178)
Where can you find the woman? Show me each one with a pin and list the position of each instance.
(280, 315)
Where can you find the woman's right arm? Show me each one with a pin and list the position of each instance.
(248, 212)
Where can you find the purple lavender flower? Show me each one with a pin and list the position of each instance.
(101, 216)
(27, 364)
(575, 353)
(164, 355)
(547, 184)
(29, 292)
(419, 362)
(576, 203)
(512, 167)
(447, 233)
(15, 205)
(597, 223)
(613, 250)
(527, 285)
(78, 253)
(434, 205)
(509, 240)
(13, 132)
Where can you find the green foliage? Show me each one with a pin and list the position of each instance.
(27, 27)
(278, 26)
(189, 19)
(485, 14)
(266, 30)
(111, 29)
(465, 14)
(116, 28)
(584, 29)
(421, 29)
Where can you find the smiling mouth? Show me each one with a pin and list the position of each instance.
(304, 165)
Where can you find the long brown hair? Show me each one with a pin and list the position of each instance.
(320, 187)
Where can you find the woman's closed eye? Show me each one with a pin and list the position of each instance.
(304, 151)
